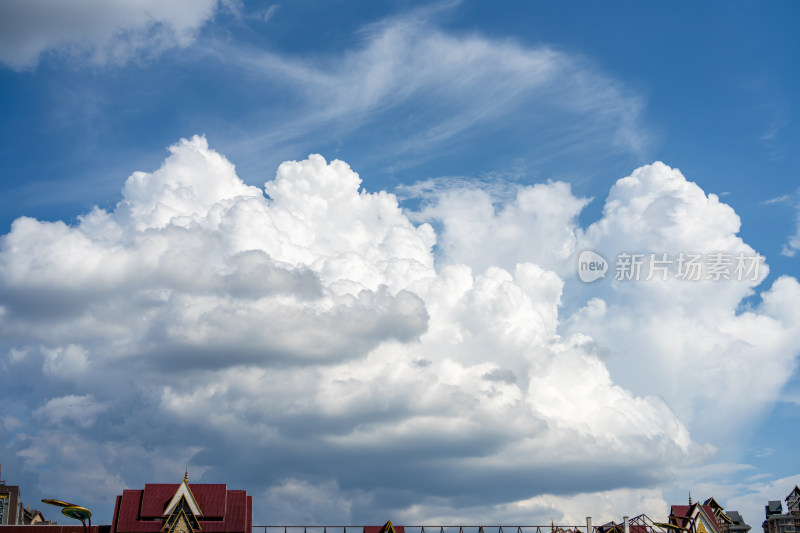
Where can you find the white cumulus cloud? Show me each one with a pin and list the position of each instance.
(689, 342)
(308, 331)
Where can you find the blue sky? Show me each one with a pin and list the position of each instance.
(423, 325)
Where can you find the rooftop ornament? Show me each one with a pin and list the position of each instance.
(73, 511)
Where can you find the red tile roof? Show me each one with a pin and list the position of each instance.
(224, 511)
(210, 498)
(683, 514)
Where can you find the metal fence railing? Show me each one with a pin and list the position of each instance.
(427, 529)
(638, 524)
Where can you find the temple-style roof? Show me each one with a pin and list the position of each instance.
(143, 511)
(683, 516)
(388, 527)
(719, 511)
(711, 502)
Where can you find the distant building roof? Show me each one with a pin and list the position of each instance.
(793, 500)
(712, 503)
(736, 517)
(774, 507)
(32, 516)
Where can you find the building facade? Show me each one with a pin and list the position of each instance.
(11, 510)
(779, 522)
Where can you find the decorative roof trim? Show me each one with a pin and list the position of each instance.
(185, 492)
(710, 518)
(712, 503)
(388, 528)
(182, 517)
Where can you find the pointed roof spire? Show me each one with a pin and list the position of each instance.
(690, 497)
(185, 493)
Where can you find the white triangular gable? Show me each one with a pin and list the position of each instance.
(707, 523)
(183, 491)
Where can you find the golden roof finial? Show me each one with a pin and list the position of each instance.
(690, 497)
(186, 475)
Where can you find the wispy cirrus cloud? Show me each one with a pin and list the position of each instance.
(438, 90)
(792, 245)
